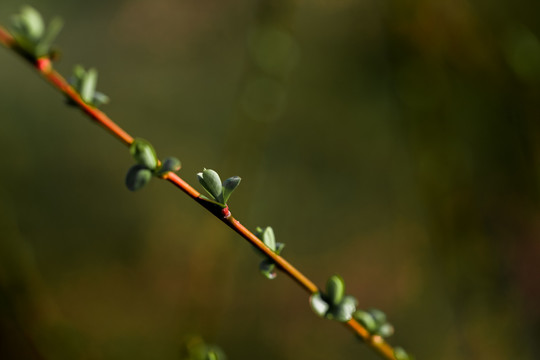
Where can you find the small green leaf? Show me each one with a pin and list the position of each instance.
(266, 235)
(211, 182)
(318, 305)
(335, 289)
(259, 231)
(32, 22)
(44, 45)
(27, 29)
(268, 269)
(88, 86)
(349, 304)
(100, 99)
(169, 164)
(75, 79)
(137, 177)
(378, 315)
(385, 330)
(343, 311)
(401, 354)
(279, 247)
(79, 72)
(269, 239)
(229, 185)
(143, 152)
(366, 320)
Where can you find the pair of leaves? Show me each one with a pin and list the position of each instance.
(84, 82)
(28, 29)
(147, 165)
(267, 267)
(334, 304)
(374, 320)
(219, 192)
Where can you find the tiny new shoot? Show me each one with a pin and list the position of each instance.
(334, 304)
(147, 165)
(84, 82)
(267, 267)
(219, 192)
(32, 37)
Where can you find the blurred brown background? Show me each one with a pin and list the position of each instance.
(395, 143)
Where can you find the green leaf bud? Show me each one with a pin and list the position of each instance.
(318, 304)
(335, 289)
(378, 315)
(385, 330)
(344, 310)
(137, 177)
(143, 152)
(268, 269)
(366, 320)
(211, 182)
(169, 164)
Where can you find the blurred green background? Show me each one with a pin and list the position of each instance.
(395, 143)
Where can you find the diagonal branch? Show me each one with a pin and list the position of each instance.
(44, 66)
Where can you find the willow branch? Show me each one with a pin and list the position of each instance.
(44, 67)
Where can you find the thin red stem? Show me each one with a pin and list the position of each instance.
(54, 78)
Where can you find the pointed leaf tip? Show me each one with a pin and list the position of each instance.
(229, 185)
